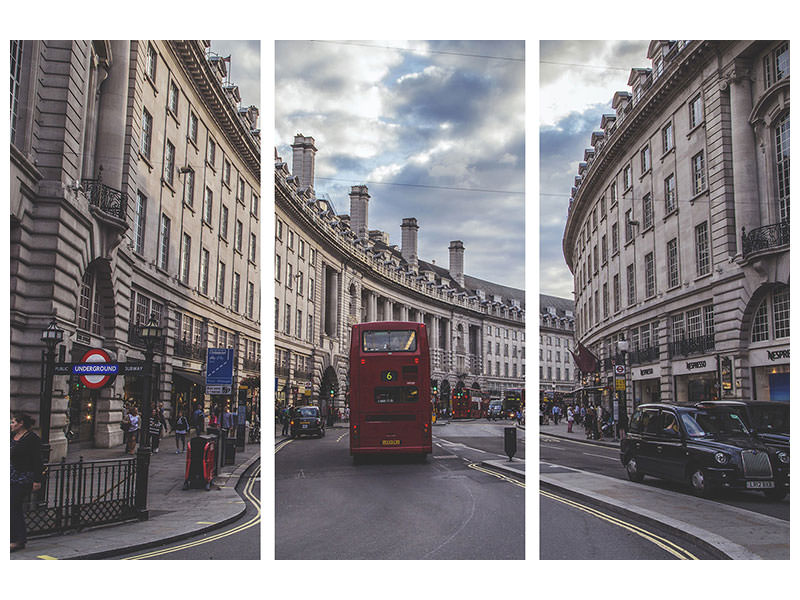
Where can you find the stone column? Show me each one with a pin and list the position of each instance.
(112, 124)
(388, 309)
(403, 312)
(372, 307)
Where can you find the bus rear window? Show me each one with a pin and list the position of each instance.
(396, 395)
(389, 341)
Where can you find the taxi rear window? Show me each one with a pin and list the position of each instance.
(389, 341)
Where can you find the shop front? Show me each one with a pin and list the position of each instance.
(695, 380)
(646, 384)
(769, 368)
(188, 389)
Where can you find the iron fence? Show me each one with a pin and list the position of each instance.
(764, 238)
(112, 202)
(694, 345)
(83, 494)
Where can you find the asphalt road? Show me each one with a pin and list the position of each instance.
(605, 461)
(395, 508)
(239, 540)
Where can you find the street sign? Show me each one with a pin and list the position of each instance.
(95, 369)
(619, 369)
(223, 390)
(620, 385)
(219, 368)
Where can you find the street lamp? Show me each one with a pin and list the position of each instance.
(151, 333)
(52, 337)
(622, 348)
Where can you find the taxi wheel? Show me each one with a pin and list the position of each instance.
(633, 470)
(778, 493)
(700, 484)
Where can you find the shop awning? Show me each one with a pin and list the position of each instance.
(191, 376)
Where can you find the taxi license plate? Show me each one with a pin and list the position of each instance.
(759, 485)
(390, 442)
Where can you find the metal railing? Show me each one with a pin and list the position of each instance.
(251, 364)
(695, 345)
(110, 201)
(644, 355)
(765, 238)
(190, 350)
(83, 494)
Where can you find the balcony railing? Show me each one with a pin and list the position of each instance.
(190, 350)
(251, 364)
(281, 371)
(644, 355)
(110, 201)
(765, 238)
(696, 345)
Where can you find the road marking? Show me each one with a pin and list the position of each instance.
(614, 458)
(339, 439)
(46, 557)
(282, 445)
(659, 541)
(206, 523)
(542, 436)
(498, 475)
(248, 493)
(446, 456)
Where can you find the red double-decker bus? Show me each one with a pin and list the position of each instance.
(467, 404)
(390, 389)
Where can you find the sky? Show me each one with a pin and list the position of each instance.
(577, 81)
(245, 67)
(442, 122)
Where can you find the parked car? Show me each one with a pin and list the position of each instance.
(495, 410)
(307, 420)
(708, 447)
(769, 421)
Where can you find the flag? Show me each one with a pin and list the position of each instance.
(584, 359)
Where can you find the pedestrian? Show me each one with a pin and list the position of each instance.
(154, 429)
(26, 474)
(133, 430)
(162, 418)
(181, 429)
(199, 419)
(227, 423)
(570, 419)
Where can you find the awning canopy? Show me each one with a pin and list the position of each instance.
(191, 376)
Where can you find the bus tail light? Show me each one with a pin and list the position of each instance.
(354, 432)
(363, 361)
(426, 428)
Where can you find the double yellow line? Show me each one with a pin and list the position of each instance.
(506, 478)
(255, 520)
(282, 445)
(659, 541)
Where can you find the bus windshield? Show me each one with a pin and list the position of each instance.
(389, 341)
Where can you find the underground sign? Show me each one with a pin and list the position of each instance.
(95, 369)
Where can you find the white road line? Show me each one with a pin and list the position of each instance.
(601, 456)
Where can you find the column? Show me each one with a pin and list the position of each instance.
(388, 308)
(745, 185)
(403, 312)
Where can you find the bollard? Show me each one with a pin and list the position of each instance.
(510, 442)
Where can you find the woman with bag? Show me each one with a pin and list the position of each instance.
(26, 474)
(133, 430)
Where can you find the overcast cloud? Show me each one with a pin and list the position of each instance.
(434, 114)
(577, 82)
(245, 67)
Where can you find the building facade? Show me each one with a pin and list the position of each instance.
(332, 271)
(134, 192)
(558, 374)
(678, 227)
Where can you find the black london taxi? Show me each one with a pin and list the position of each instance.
(769, 421)
(306, 420)
(708, 447)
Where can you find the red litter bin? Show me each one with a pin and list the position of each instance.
(201, 463)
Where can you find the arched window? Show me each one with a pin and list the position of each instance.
(775, 305)
(782, 165)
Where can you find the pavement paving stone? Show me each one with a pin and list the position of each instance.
(175, 513)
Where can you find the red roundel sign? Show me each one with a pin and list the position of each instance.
(96, 369)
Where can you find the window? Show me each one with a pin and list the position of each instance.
(277, 267)
(289, 275)
(616, 292)
(290, 242)
(695, 112)
(163, 254)
(669, 194)
(239, 235)
(613, 193)
(299, 324)
(16, 82)
(172, 98)
(254, 205)
(278, 229)
(631, 285)
(694, 323)
(188, 189)
(605, 300)
(702, 257)
(186, 253)
(699, 171)
(667, 139)
(628, 225)
(287, 326)
(310, 329)
(253, 248)
(147, 133)
(251, 292)
(169, 163)
(277, 314)
(645, 159)
(780, 313)
(299, 284)
(208, 204)
(212, 152)
(673, 268)
(240, 191)
(614, 238)
(204, 259)
(193, 127)
(626, 178)
(594, 218)
(223, 226)
(782, 163)
(301, 248)
(221, 283)
(237, 280)
(678, 328)
(776, 65)
(760, 324)
(139, 224)
(596, 261)
(152, 62)
(604, 249)
(226, 172)
(647, 211)
(649, 275)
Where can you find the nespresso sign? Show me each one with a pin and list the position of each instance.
(777, 354)
(698, 364)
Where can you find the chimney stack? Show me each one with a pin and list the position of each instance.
(408, 247)
(303, 160)
(359, 205)
(457, 261)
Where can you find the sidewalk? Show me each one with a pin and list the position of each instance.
(175, 513)
(578, 434)
(727, 531)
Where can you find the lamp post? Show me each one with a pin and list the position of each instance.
(151, 333)
(622, 348)
(52, 337)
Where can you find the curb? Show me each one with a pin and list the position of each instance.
(238, 473)
(503, 469)
(572, 439)
(709, 541)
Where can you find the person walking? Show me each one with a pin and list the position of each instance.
(285, 422)
(570, 419)
(134, 421)
(154, 429)
(26, 474)
(199, 419)
(181, 429)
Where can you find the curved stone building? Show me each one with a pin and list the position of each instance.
(678, 228)
(134, 192)
(332, 271)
